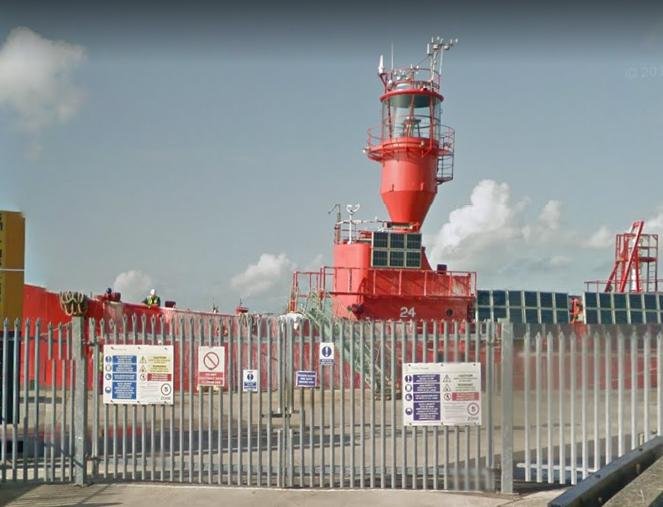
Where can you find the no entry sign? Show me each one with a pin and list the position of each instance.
(211, 366)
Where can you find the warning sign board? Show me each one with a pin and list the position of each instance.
(250, 381)
(422, 394)
(211, 366)
(326, 354)
(138, 374)
(461, 394)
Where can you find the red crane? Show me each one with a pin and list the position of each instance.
(636, 262)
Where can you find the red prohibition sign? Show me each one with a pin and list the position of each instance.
(211, 360)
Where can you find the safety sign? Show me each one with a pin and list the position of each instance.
(422, 394)
(326, 353)
(250, 381)
(306, 378)
(461, 394)
(211, 366)
(138, 374)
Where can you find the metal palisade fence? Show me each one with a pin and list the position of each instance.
(584, 396)
(265, 402)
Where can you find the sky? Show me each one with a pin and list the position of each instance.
(197, 148)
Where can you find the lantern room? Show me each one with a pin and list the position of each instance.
(413, 146)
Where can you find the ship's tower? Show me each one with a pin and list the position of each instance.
(379, 268)
(414, 148)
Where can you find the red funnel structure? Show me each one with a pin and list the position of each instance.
(414, 148)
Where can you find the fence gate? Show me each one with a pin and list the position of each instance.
(37, 402)
(583, 396)
(293, 423)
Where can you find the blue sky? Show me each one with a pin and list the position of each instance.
(178, 146)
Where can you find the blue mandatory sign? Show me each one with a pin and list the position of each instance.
(426, 411)
(124, 368)
(124, 391)
(126, 359)
(422, 394)
(250, 381)
(306, 379)
(326, 353)
(124, 364)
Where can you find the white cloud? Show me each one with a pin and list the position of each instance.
(601, 239)
(550, 215)
(547, 226)
(264, 275)
(492, 234)
(133, 284)
(489, 218)
(36, 79)
(654, 225)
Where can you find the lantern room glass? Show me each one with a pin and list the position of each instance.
(410, 115)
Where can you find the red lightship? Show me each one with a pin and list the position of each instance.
(380, 269)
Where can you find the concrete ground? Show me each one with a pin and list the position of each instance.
(193, 496)
(645, 489)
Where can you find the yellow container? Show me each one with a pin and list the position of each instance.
(12, 264)
(11, 295)
(12, 240)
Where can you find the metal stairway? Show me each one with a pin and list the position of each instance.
(318, 311)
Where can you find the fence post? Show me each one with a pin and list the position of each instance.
(80, 398)
(507, 407)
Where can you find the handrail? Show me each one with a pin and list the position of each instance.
(376, 280)
(344, 233)
(413, 78)
(647, 286)
(436, 132)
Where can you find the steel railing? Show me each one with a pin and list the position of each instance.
(416, 127)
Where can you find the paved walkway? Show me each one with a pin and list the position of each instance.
(102, 495)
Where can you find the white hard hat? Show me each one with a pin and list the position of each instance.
(153, 292)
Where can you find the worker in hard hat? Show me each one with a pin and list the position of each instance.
(152, 299)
